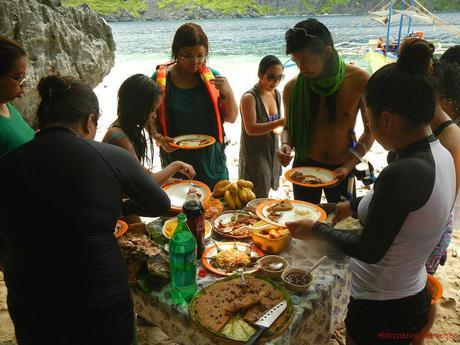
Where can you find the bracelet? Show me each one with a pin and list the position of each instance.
(442, 126)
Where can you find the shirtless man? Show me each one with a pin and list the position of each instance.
(322, 130)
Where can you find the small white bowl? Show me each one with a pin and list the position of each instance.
(265, 260)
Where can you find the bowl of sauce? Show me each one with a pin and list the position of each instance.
(294, 279)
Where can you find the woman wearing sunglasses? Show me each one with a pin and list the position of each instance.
(261, 114)
(14, 131)
(196, 100)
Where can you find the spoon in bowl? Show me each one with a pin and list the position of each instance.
(275, 266)
(314, 266)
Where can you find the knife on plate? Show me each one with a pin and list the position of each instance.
(266, 321)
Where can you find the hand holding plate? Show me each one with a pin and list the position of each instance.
(166, 142)
(341, 173)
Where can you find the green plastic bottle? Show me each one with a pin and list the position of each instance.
(182, 263)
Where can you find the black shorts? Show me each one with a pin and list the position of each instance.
(394, 322)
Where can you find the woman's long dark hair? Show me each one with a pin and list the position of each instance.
(405, 87)
(136, 98)
(65, 101)
(189, 35)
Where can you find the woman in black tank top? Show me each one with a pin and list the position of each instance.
(261, 115)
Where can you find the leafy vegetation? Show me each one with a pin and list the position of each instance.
(239, 7)
(134, 7)
(224, 6)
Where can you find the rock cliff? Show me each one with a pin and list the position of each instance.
(69, 41)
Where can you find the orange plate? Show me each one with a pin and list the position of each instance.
(261, 211)
(177, 192)
(211, 250)
(123, 228)
(435, 288)
(320, 172)
(211, 140)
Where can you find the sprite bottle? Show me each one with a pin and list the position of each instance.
(182, 263)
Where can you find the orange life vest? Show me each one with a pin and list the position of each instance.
(207, 76)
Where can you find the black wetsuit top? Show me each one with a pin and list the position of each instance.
(403, 220)
(61, 197)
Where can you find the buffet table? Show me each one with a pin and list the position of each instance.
(317, 312)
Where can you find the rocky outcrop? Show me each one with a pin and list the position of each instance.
(64, 40)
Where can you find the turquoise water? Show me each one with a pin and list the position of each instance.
(256, 37)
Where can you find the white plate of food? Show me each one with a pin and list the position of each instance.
(180, 190)
(278, 212)
(227, 258)
(193, 141)
(234, 224)
(311, 177)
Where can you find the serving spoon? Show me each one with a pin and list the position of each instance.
(314, 266)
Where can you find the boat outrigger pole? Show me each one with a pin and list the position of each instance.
(410, 19)
(403, 6)
(390, 12)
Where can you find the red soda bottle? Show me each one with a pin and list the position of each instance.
(194, 211)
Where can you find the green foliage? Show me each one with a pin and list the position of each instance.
(446, 5)
(224, 6)
(329, 6)
(134, 7)
(239, 7)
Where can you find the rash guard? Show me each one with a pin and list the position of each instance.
(403, 220)
(61, 197)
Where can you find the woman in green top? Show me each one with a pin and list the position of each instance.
(189, 108)
(14, 131)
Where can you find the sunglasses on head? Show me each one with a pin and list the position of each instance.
(299, 33)
(273, 77)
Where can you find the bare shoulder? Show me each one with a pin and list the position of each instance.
(357, 76)
(111, 132)
(290, 85)
(247, 98)
(288, 88)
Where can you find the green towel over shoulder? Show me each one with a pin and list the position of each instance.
(299, 117)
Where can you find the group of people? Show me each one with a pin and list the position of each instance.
(63, 192)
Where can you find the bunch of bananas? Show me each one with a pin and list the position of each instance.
(236, 195)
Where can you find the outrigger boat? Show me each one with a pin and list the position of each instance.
(383, 51)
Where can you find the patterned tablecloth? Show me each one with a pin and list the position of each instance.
(316, 313)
